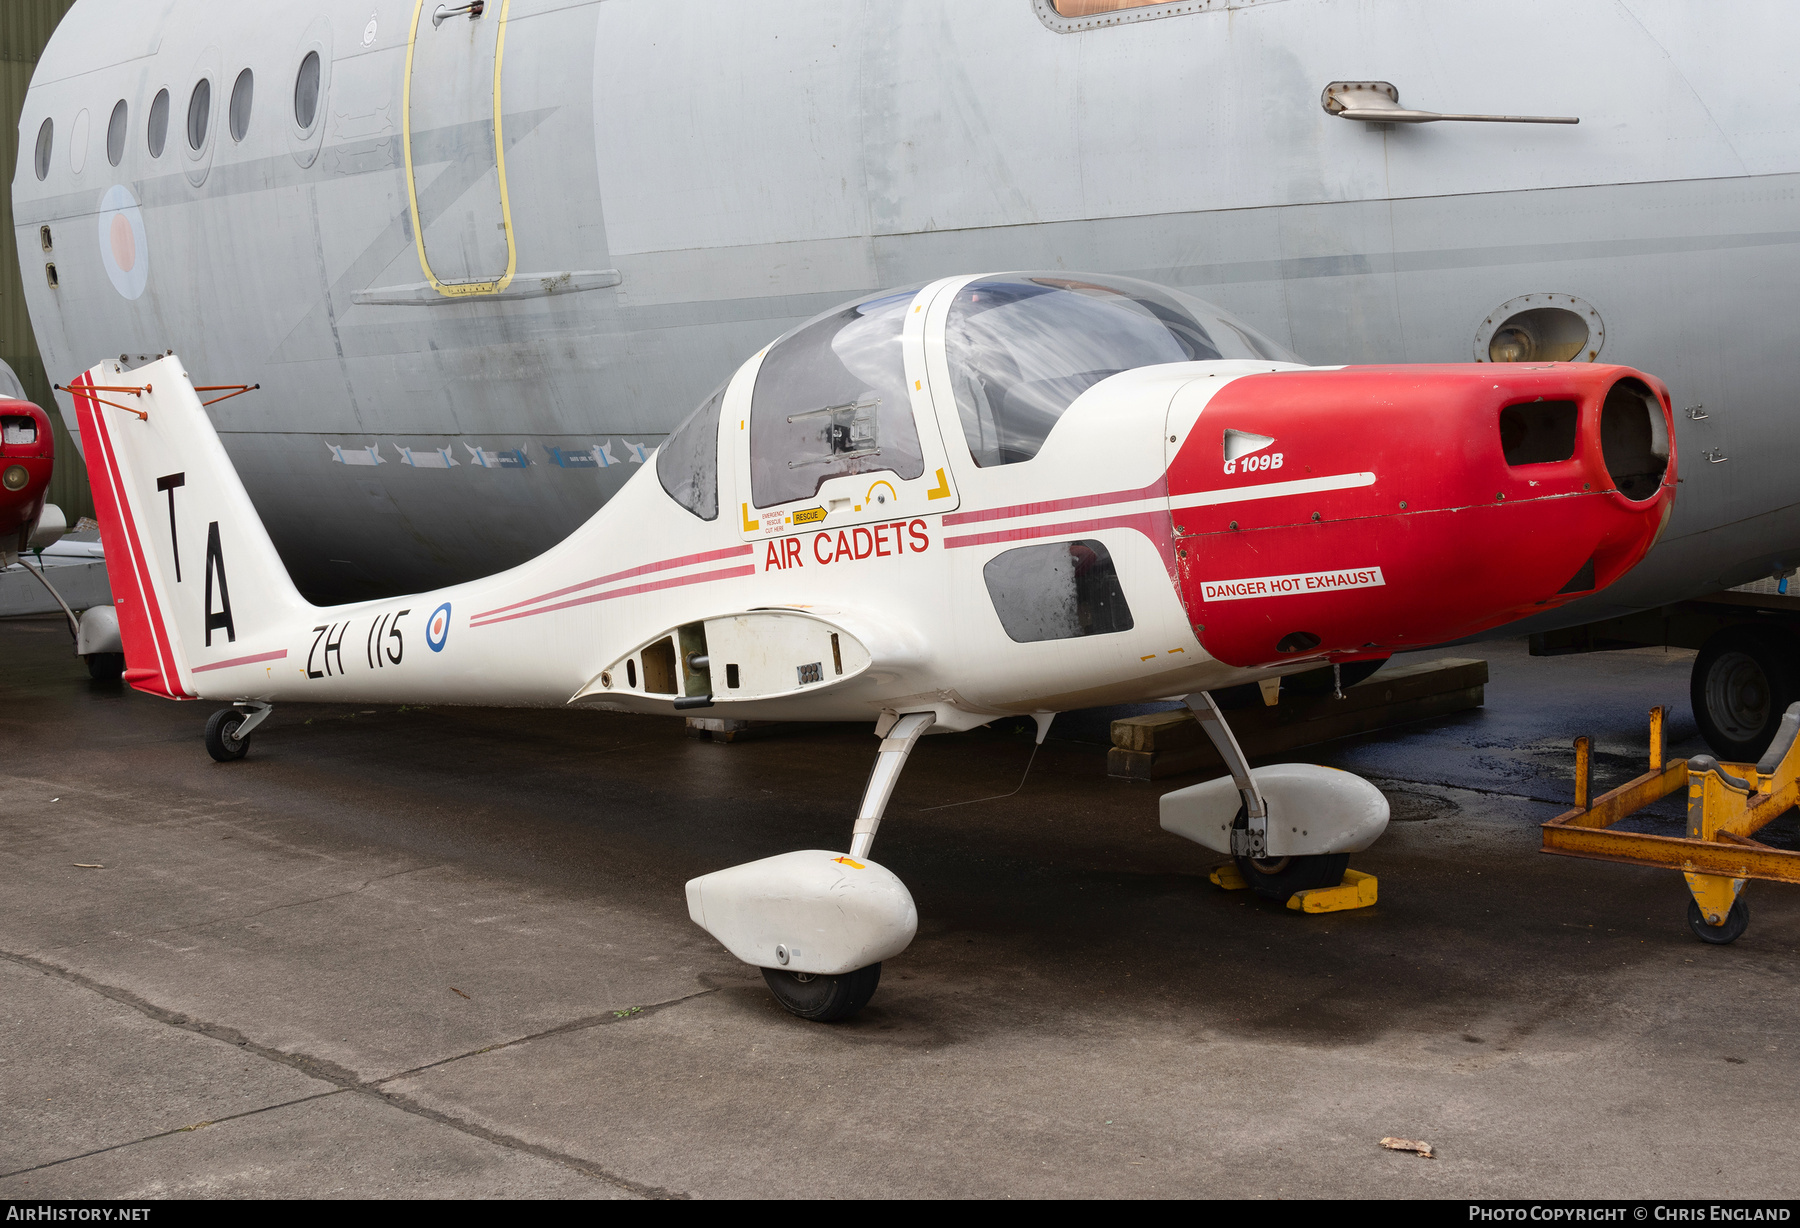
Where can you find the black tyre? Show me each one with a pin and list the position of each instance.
(105, 666)
(222, 742)
(1318, 681)
(1736, 922)
(1743, 680)
(824, 999)
(1278, 878)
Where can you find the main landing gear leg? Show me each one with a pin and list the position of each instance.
(828, 998)
(897, 744)
(818, 924)
(228, 730)
(1276, 878)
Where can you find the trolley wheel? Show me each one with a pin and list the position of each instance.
(1736, 922)
(1744, 678)
(105, 666)
(222, 742)
(1278, 878)
(824, 999)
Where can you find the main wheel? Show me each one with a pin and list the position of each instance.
(222, 742)
(105, 666)
(1278, 878)
(1736, 922)
(1743, 680)
(824, 999)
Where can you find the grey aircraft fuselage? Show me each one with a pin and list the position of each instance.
(465, 345)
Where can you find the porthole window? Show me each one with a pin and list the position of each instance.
(241, 94)
(306, 91)
(78, 142)
(199, 115)
(115, 133)
(41, 163)
(156, 135)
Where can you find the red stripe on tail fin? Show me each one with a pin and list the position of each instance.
(148, 654)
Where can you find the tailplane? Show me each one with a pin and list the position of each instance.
(192, 569)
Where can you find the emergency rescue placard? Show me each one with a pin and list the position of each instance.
(1288, 586)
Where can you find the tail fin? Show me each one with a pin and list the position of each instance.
(191, 566)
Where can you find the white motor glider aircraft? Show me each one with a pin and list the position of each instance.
(1011, 494)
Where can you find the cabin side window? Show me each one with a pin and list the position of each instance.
(242, 95)
(156, 133)
(199, 115)
(1069, 16)
(687, 464)
(306, 92)
(1093, 8)
(41, 158)
(1057, 591)
(831, 399)
(115, 133)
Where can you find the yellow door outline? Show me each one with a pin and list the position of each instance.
(459, 289)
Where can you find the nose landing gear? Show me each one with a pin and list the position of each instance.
(818, 924)
(1295, 825)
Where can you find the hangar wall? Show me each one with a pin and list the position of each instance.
(25, 27)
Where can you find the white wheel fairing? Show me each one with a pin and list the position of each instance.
(1312, 810)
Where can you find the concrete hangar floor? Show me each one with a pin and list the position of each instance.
(445, 953)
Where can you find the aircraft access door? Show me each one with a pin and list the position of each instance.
(455, 146)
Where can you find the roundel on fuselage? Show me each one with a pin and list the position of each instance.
(124, 248)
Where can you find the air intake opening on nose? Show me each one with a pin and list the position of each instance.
(1581, 582)
(1634, 439)
(1297, 641)
(1538, 432)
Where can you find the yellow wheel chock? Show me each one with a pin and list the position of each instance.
(1727, 804)
(1358, 890)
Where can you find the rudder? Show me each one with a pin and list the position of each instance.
(191, 566)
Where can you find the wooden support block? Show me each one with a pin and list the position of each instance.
(1170, 743)
(726, 729)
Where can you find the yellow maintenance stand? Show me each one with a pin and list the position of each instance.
(1727, 804)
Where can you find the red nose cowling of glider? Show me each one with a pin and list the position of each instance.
(27, 454)
(1355, 513)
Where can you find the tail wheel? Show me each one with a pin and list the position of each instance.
(824, 999)
(1743, 680)
(1736, 922)
(1278, 878)
(222, 742)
